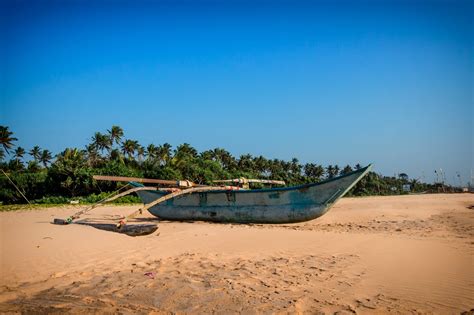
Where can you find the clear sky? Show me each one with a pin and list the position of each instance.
(328, 82)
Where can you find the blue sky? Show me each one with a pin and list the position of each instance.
(388, 82)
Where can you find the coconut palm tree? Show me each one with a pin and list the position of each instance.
(18, 154)
(261, 165)
(92, 154)
(224, 158)
(45, 157)
(313, 171)
(184, 155)
(140, 153)
(347, 169)
(275, 169)
(330, 171)
(115, 134)
(35, 153)
(101, 142)
(336, 170)
(295, 167)
(151, 151)
(33, 166)
(129, 147)
(207, 155)
(186, 149)
(164, 153)
(6, 139)
(246, 163)
(116, 155)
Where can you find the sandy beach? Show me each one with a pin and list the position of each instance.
(401, 254)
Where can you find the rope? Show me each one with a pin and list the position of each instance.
(16, 187)
(77, 214)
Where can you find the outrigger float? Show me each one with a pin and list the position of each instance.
(187, 201)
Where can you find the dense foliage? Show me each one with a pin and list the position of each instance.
(69, 174)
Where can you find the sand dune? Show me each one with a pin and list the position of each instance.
(405, 254)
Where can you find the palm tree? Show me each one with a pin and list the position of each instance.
(6, 138)
(261, 165)
(33, 166)
(319, 171)
(129, 147)
(92, 154)
(245, 163)
(151, 151)
(330, 171)
(2, 155)
(101, 142)
(116, 155)
(115, 134)
(184, 155)
(295, 167)
(18, 154)
(347, 169)
(224, 157)
(45, 157)
(276, 169)
(336, 170)
(207, 155)
(164, 153)
(186, 149)
(140, 153)
(35, 153)
(313, 171)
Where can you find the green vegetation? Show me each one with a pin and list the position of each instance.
(68, 176)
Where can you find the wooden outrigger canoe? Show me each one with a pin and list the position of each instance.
(275, 205)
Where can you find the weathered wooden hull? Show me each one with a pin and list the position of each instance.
(277, 205)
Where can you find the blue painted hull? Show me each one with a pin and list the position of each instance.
(277, 205)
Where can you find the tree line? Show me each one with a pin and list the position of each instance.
(69, 173)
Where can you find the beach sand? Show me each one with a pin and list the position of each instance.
(400, 254)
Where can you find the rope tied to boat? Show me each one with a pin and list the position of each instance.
(83, 211)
